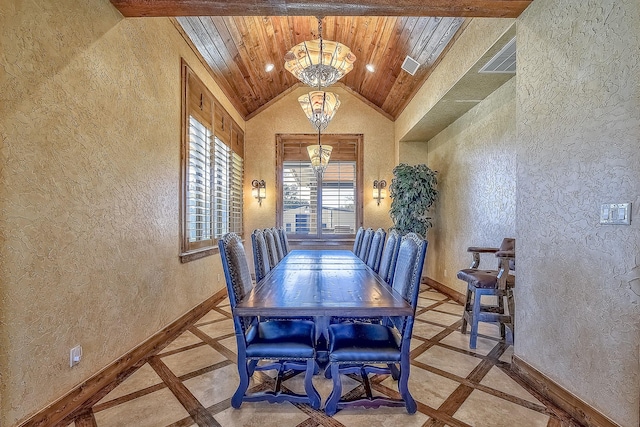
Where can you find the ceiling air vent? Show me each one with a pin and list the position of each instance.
(410, 65)
(504, 61)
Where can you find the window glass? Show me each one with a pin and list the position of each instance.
(311, 206)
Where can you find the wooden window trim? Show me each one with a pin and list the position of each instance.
(228, 132)
(328, 139)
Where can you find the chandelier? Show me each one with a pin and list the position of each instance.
(319, 63)
(319, 155)
(319, 107)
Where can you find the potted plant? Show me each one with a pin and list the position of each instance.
(413, 192)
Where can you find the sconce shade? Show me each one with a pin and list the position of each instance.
(259, 193)
(319, 107)
(259, 190)
(379, 192)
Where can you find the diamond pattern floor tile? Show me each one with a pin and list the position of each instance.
(484, 410)
(447, 353)
(151, 410)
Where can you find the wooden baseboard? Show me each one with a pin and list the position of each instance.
(578, 409)
(82, 397)
(454, 295)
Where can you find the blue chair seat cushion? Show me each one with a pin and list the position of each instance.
(363, 342)
(287, 339)
(484, 279)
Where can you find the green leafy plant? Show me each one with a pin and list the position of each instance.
(413, 192)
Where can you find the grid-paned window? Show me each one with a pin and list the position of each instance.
(212, 172)
(328, 206)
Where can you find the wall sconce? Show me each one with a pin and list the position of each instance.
(259, 190)
(379, 191)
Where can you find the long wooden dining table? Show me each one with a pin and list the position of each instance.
(322, 284)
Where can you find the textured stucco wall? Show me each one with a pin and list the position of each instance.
(286, 116)
(578, 127)
(89, 203)
(476, 164)
(477, 38)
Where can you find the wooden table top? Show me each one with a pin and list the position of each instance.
(323, 283)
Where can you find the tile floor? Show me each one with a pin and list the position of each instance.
(191, 381)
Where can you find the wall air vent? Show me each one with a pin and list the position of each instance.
(410, 65)
(504, 61)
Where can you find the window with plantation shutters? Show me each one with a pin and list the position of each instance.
(319, 207)
(228, 172)
(212, 171)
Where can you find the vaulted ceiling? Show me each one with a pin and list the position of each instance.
(237, 39)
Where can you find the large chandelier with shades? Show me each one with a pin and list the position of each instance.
(319, 63)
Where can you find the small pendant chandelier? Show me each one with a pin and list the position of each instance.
(319, 155)
(319, 107)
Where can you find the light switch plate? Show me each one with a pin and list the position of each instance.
(615, 213)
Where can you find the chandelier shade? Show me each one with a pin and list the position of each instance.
(319, 63)
(319, 156)
(319, 107)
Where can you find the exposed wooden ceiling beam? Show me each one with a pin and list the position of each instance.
(445, 8)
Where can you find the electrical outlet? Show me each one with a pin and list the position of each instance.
(218, 277)
(445, 273)
(75, 354)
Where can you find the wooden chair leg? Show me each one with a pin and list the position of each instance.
(511, 305)
(475, 314)
(403, 386)
(395, 372)
(331, 407)
(500, 297)
(252, 367)
(312, 393)
(243, 372)
(467, 309)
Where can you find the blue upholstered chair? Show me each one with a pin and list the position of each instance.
(389, 257)
(363, 252)
(260, 254)
(289, 344)
(358, 240)
(271, 247)
(375, 250)
(284, 240)
(277, 238)
(498, 283)
(360, 347)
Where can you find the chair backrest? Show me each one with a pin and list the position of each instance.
(358, 241)
(260, 254)
(366, 244)
(285, 240)
(278, 241)
(238, 279)
(236, 268)
(375, 251)
(389, 257)
(406, 278)
(271, 247)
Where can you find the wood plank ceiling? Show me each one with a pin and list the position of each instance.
(237, 39)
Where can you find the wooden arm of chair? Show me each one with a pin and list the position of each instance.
(506, 258)
(476, 251)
